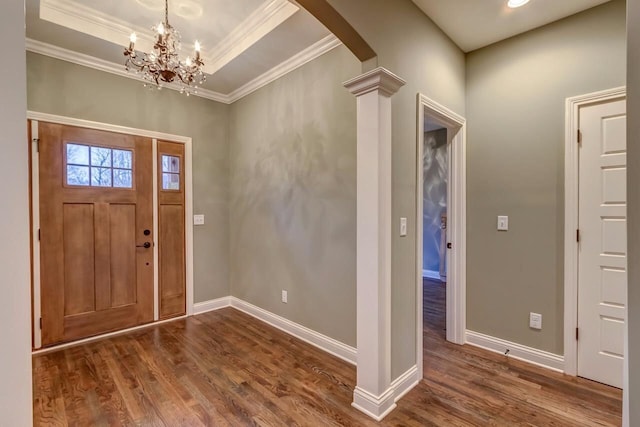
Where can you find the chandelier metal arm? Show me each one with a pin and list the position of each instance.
(163, 64)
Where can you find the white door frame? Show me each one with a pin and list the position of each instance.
(35, 201)
(571, 180)
(456, 226)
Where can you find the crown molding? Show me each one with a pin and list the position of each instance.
(261, 22)
(108, 67)
(379, 79)
(309, 54)
(87, 20)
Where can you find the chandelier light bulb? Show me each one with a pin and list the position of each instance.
(516, 3)
(162, 65)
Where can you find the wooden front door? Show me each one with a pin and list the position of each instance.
(171, 229)
(96, 235)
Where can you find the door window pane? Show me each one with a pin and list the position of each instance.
(101, 157)
(77, 154)
(170, 164)
(100, 177)
(122, 178)
(99, 166)
(171, 181)
(122, 159)
(77, 175)
(170, 172)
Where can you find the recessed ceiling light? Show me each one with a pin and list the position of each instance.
(517, 3)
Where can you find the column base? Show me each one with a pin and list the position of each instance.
(377, 407)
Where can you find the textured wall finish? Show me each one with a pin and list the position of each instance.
(410, 45)
(516, 92)
(435, 177)
(65, 89)
(293, 186)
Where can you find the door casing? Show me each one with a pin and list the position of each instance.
(456, 225)
(35, 194)
(571, 210)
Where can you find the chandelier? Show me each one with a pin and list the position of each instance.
(163, 65)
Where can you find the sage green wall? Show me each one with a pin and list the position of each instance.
(410, 45)
(293, 187)
(516, 93)
(62, 88)
(632, 357)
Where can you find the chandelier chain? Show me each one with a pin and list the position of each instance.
(162, 65)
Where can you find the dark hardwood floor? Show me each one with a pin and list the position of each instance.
(225, 368)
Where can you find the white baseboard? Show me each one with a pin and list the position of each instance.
(431, 274)
(405, 382)
(378, 407)
(323, 342)
(517, 351)
(211, 305)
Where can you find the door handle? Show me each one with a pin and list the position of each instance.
(145, 245)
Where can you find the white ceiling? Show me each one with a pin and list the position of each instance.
(473, 24)
(248, 43)
(245, 43)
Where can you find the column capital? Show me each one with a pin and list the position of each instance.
(379, 79)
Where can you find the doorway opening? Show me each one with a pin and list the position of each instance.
(435, 173)
(441, 226)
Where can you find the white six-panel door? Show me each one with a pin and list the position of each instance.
(602, 271)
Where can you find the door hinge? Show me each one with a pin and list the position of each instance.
(37, 141)
(577, 334)
(38, 234)
(579, 138)
(41, 323)
(578, 236)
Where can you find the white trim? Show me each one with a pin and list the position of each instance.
(378, 407)
(298, 60)
(374, 238)
(323, 342)
(187, 141)
(521, 352)
(156, 231)
(70, 121)
(457, 224)
(314, 51)
(188, 224)
(108, 67)
(431, 274)
(267, 17)
(211, 305)
(103, 336)
(35, 215)
(571, 179)
(79, 17)
(406, 382)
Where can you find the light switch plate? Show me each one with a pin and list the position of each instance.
(198, 220)
(535, 321)
(503, 223)
(403, 227)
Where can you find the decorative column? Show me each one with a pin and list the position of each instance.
(373, 90)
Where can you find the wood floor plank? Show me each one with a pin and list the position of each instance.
(225, 368)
